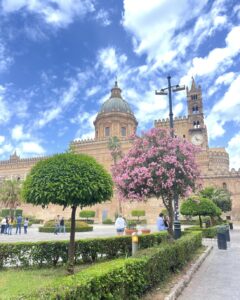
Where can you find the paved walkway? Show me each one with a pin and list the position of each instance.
(34, 235)
(219, 276)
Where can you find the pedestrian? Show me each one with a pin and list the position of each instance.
(62, 225)
(19, 224)
(3, 225)
(7, 225)
(10, 223)
(57, 225)
(160, 223)
(120, 225)
(166, 222)
(25, 225)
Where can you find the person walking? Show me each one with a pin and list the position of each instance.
(10, 225)
(7, 225)
(120, 225)
(62, 225)
(160, 223)
(3, 225)
(19, 224)
(25, 225)
(57, 225)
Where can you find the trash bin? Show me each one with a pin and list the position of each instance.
(231, 225)
(222, 237)
(227, 233)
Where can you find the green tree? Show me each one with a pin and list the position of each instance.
(221, 197)
(70, 180)
(138, 213)
(199, 206)
(10, 193)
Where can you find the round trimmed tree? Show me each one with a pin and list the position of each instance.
(69, 180)
(199, 206)
(157, 165)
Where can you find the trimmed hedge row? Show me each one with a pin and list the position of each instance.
(68, 229)
(123, 278)
(209, 232)
(87, 250)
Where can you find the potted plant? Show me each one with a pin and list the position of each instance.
(131, 227)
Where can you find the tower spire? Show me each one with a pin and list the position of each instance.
(193, 86)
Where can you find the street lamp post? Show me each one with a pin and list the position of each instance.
(168, 91)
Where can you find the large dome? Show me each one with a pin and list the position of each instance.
(115, 103)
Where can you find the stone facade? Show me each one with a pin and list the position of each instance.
(115, 118)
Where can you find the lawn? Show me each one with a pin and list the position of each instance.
(14, 282)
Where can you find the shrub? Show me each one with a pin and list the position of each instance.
(6, 212)
(87, 214)
(81, 226)
(88, 250)
(67, 229)
(124, 278)
(108, 221)
(209, 232)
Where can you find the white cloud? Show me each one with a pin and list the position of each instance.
(218, 59)
(5, 113)
(160, 28)
(6, 149)
(18, 134)
(93, 90)
(86, 128)
(234, 151)
(225, 110)
(5, 59)
(225, 78)
(2, 139)
(30, 147)
(103, 17)
(58, 13)
(109, 60)
(66, 98)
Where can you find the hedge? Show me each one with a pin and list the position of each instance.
(68, 229)
(87, 250)
(123, 278)
(209, 232)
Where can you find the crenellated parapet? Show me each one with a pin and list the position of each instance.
(165, 122)
(19, 160)
(84, 141)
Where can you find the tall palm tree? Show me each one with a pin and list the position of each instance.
(10, 191)
(115, 148)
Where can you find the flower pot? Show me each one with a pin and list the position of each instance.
(146, 231)
(130, 231)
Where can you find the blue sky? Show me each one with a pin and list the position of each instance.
(59, 60)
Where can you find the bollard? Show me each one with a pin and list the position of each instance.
(134, 243)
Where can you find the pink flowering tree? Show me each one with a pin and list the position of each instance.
(157, 165)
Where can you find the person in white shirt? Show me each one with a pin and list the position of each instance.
(3, 225)
(120, 225)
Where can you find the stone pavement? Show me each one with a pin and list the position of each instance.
(219, 276)
(34, 236)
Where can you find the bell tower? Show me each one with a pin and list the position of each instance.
(197, 127)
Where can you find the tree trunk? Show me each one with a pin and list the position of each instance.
(171, 219)
(200, 221)
(169, 206)
(71, 249)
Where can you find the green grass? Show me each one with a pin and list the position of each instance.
(14, 282)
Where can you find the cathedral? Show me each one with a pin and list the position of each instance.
(115, 118)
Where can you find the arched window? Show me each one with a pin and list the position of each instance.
(194, 97)
(224, 185)
(184, 136)
(107, 131)
(195, 109)
(123, 131)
